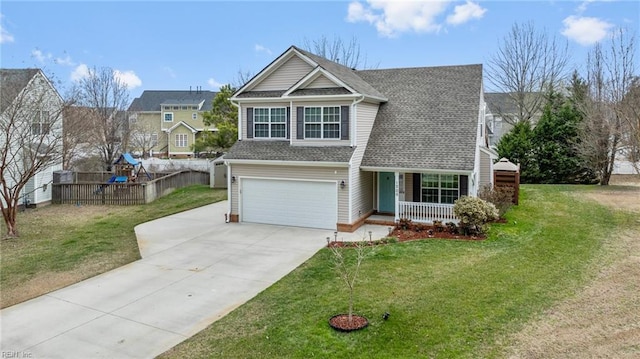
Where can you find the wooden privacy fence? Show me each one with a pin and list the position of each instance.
(96, 193)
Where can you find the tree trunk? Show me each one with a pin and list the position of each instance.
(9, 215)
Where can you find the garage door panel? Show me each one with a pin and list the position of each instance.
(293, 203)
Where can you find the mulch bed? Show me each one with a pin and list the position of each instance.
(424, 232)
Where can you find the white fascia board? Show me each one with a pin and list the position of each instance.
(182, 123)
(413, 170)
(299, 98)
(490, 151)
(286, 163)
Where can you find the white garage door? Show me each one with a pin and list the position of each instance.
(289, 203)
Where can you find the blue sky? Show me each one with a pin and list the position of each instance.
(172, 45)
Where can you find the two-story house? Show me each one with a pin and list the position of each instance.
(323, 145)
(31, 135)
(167, 123)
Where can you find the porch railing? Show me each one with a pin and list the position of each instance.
(426, 212)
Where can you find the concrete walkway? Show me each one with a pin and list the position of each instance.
(195, 269)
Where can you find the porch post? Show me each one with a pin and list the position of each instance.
(397, 196)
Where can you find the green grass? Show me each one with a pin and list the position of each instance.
(61, 244)
(447, 299)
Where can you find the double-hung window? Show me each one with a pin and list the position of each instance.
(270, 122)
(168, 117)
(40, 123)
(181, 140)
(440, 188)
(322, 122)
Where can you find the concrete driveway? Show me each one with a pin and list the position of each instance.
(194, 270)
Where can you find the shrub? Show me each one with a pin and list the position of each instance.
(474, 214)
(500, 196)
(452, 227)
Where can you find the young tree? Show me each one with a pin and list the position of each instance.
(107, 97)
(527, 65)
(30, 135)
(224, 117)
(610, 78)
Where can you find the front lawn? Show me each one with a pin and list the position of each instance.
(63, 244)
(446, 299)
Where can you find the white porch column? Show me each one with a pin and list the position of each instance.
(397, 196)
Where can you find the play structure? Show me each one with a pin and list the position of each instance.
(126, 170)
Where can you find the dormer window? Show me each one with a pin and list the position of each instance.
(270, 122)
(322, 122)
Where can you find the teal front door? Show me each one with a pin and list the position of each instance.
(386, 192)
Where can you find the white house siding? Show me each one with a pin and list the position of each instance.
(321, 82)
(43, 181)
(361, 182)
(485, 169)
(293, 172)
(285, 76)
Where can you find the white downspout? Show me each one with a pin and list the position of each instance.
(229, 191)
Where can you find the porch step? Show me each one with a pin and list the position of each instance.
(380, 220)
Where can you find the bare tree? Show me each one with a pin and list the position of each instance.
(107, 97)
(610, 80)
(31, 135)
(527, 65)
(143, 136)
(630, 107)
(77, 125)
(242, 77)
(337, 50)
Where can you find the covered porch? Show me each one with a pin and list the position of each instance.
(419, 196)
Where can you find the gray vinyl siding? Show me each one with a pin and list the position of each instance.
(243, 112)
(293, 172)
(321, 82)
(485, 169)
(294, 119)
(28, 191)
(285, 76)
(362, 182)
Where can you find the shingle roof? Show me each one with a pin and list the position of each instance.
(283, 151)
(500, 102)
(12, 81)
(151, 100)
(321, 91)
(430, 120)
(253, 94)
(345, 74)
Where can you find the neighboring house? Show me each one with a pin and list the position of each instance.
(167, 123)
(31, 126)
(502, 113)
(322, 145)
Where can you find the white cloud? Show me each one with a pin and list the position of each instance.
(585, 30)
(214, 84)
(80, 72)
(5, 36)
(260, 48)
(66, 61)
(129, 78)
(40, 56)
(393, 17)
(466, 12)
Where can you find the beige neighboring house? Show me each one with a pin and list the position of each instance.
(322, 145)
(167, 123)
(31, 122)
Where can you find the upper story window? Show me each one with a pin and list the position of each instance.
(40, 125)
(181, 140)
(322, 122)
(440, 188)
(270, 122)
(194, 116)
(168, 117)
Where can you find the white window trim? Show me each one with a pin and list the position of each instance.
(439, 188)
(164, 116)
(322, 123)
(270, 123)
(178, 144)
